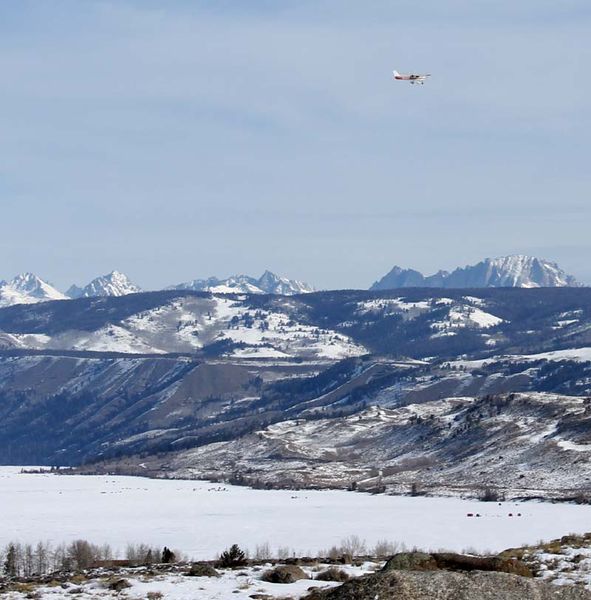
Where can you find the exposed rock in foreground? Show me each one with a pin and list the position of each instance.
(445, 585)
(284, 574)
(450, 561)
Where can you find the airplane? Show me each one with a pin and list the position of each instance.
(413, 79)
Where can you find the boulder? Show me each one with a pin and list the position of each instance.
(284, 574)
(447, 585)
(449, 561)
(333, 574)
(202, 570)
(118, 584)
(411, 561)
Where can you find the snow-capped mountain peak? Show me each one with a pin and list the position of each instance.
(273, 284)
(506, 271)
(113, 284)
(267, 283)
(27, 288)
(522, 271)
(511, 271)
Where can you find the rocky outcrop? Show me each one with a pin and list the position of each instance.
(284, 574)
(449, 561)
(201, 569)
(448, 585)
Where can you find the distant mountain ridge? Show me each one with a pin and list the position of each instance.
(506, 271)
(267, 283)
(27, 288)
(113, 284)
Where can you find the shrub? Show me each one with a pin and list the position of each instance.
(168, 555)
(262, 551)
(141, 554)
(489, 494)
(384, 548)
(82, 554)
(233, 557)
(284, 552)
(353, 546)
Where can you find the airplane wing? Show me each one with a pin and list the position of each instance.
(420, 79)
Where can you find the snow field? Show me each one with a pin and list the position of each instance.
(201, 519)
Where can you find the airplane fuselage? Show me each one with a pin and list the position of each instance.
(411, 78)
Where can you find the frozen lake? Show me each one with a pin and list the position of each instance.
(201, 519)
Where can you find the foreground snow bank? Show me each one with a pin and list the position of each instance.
(144, 583)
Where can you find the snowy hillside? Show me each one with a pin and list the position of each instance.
(507, 271)
(151, 405)
(180, 370)
(27, 289)
(267, 283)
(421, 324)
(190, 323)
(530, 444)
(453, 315)
(113, 284)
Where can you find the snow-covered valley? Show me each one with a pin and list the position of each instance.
(201, 519)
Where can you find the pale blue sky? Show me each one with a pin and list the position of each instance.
(181, 139)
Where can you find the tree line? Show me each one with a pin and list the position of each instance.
(29, 560)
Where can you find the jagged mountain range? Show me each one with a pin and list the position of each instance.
(29, 289)
(267, 283)
(507, 271)
(113, 284)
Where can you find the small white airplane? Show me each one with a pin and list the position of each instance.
(413, 79)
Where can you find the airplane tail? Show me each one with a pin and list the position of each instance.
(395, 73)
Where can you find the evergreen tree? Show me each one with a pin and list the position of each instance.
(10, 562)
(168, 555)
(234, 557)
